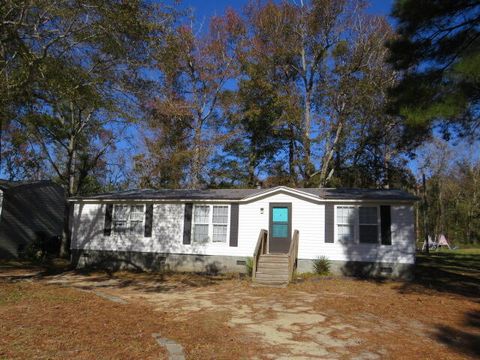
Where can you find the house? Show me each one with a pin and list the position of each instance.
(29, 210)
(360, 231)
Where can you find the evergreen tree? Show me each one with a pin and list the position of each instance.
(438, 49)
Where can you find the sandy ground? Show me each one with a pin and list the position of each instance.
(327, 319)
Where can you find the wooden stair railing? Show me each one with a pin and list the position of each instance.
(260, 249)
(293, 255)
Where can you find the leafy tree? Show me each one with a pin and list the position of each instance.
(165, 163)
(300, 38)
(453, 178)
(438, 49)
(364, 148)
(258, 121)
(77, 64)
(195, 68)
(71, 71)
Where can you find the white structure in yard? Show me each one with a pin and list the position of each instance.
(360, 231)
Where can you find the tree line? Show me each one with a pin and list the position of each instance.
(299, 93)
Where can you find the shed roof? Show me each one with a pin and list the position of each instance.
(240, 194)
(7, 184)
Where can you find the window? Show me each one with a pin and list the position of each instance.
(357, 224)
(201, 219)
(128, 219)
(120, 219)
(220, 223)
(136, 219)
(346, 223)
(368, 224)
(210, 222)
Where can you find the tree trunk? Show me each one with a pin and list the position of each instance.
(307, 170)
(72, 157)
(196, 159)
(252, 161)
(291, 157)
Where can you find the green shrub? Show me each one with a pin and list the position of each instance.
(321, 266)
(249, 266)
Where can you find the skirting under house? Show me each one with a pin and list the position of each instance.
(367, 232)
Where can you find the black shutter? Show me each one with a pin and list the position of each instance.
(329, 223)
(107, 228)
(386, 222)
(148, 220)
(187, 224)
(234, 224)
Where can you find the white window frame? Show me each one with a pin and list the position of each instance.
(355, 215)
(211, 223)
(356, 225)
(128, 226)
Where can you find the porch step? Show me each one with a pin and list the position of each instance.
(273, 259)
(272, 270)
(275, 277)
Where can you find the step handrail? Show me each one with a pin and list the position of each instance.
(293, 255)
(260, 249)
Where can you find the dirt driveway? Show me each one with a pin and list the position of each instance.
(325, 319)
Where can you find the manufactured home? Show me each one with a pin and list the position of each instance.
(360, 231)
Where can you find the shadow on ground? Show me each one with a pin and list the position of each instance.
(60, 271)
(446, 272)
(465, 342)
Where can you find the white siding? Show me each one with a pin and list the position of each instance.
(167, 230)
(402, 249)
(307, 217)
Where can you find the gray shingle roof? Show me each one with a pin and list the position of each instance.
(7, 184)
(238, 194)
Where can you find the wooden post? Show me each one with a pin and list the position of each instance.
(425, 207)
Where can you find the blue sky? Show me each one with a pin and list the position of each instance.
(205, 9)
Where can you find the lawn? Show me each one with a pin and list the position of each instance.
(64, 314)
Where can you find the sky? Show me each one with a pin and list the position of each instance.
(203, 10)
(206, 8)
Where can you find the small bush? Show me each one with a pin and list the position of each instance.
(42, 248)
(321, 266)
(249, 266)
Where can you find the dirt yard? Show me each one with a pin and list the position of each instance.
(103, 315)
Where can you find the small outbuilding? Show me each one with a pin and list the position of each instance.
(29, 211)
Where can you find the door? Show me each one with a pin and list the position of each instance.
(280, 227)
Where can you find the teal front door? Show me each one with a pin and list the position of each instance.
(280, 227)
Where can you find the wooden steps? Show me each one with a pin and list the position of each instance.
(272, 270)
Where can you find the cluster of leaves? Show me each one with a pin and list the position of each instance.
(453, 193)
(283, 93)
(321, 266)
(69, 73)
(438, 49)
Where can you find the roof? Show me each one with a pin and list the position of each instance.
(7, 184)
(246, 194)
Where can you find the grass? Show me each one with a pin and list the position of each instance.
(451, 271)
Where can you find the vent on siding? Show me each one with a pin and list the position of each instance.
(241, 262)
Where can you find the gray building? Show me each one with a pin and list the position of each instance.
(29, 210)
